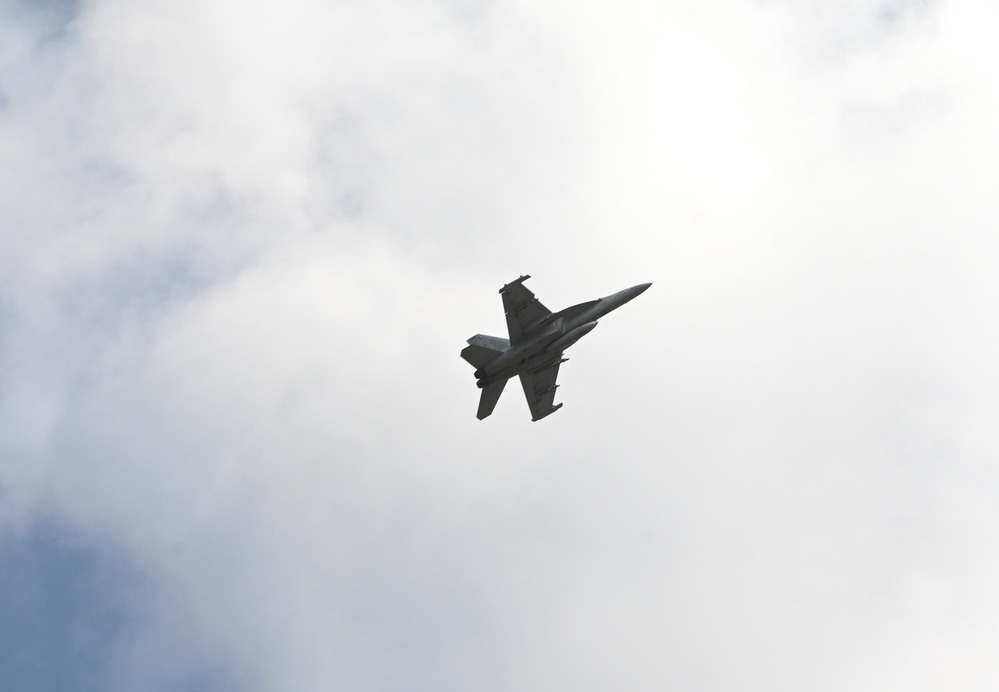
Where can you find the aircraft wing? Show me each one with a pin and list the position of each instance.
(539, 388)
(522, 308)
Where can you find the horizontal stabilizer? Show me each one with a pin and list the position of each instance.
(490, 395)
(483, 349)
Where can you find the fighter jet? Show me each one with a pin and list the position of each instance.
(538, 338)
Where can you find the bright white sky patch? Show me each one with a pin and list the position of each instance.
(243, 244)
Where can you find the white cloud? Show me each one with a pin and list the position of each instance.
(243, 244)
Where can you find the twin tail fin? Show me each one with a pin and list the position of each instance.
(483, 350)
(480, 352)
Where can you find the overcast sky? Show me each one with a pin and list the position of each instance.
(242, 244)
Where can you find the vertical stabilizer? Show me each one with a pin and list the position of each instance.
(490, 395)
(483, 349)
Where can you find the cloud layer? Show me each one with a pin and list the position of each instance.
(243, 244)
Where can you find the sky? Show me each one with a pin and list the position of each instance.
(242, 244)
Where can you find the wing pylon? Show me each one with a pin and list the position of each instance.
(539, 388)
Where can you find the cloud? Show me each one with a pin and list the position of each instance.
(60, 616)
(244, 243)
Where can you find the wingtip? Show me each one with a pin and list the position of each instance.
(554, 408)
(522, 279)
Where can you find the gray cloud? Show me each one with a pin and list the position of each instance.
(243, 244)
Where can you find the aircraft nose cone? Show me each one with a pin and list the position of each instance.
(641, 288)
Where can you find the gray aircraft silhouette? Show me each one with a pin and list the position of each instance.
(538, 338)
